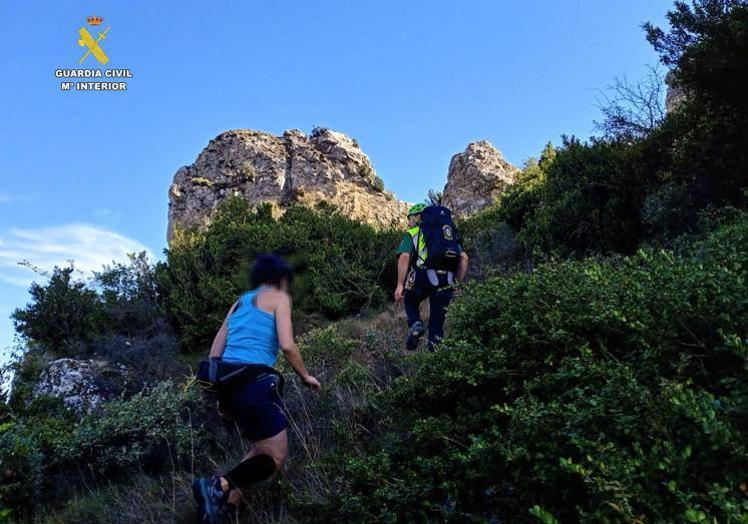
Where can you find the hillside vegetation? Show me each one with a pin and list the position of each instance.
(594, 368)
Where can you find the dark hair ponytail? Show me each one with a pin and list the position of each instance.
(269, 269)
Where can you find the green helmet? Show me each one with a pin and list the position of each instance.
(416, 209)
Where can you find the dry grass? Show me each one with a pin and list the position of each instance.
(356, 359)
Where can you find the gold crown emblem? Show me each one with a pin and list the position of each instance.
(94, 20)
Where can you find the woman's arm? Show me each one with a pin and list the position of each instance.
(219, 342)
(288, 345)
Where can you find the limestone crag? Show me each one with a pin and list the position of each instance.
(282, 170)
(77, 382)
(476, 179)
(675, 94)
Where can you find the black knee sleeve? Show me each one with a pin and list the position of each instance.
(250, 471)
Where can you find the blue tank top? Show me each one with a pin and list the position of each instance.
(252, 336)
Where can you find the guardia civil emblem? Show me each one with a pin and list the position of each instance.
(94, 46)
(447, 231)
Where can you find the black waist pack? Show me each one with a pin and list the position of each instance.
(216, 376)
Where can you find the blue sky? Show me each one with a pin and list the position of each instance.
(84, 175)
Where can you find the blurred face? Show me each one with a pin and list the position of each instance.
(413, 220)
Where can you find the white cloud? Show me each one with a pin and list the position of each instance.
(17, 280)
(8, 198)
(89, 246)
(104, 212)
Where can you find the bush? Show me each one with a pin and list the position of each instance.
(328, 427)
(490, 237)
(341, 266)
(492, 246)
(669, 211)
(589, 201)
(143, 499)
(589, 391)
(522, 197)
(66, 316)
(149, 359)
(47, 454)
(21, 471)
(377, 184)
(62, 311)
(150, 431)
(25, 368)
(129, 297)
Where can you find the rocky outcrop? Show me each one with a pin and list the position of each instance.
(77, 382)
(282, 170)
(675, 94)
(476, 179)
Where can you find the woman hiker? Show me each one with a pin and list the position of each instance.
(255, 327)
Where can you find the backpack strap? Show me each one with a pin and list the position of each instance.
(420, 254)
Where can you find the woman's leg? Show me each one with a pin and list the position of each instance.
(276, 447)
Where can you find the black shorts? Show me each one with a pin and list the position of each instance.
(257, 407)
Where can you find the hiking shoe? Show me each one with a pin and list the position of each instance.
(209, 497)
(414, 335)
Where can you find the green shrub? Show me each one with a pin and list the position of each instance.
(91, 507)
(150, 431)
(492, 245)
(589, 201)
(61, 312)
(65, 316)
(589, 391)
(47, 454)
(668, 211)
(129, 297)
(342, 266)
(326, 349)
(26, 368)
(522, 197)
(21, 471)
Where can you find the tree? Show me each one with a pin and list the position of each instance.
(434, 197)
(632, 110)
(61, 311)
(706, 45)
(129, 295)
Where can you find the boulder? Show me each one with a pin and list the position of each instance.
(76, 382)
(476, 179)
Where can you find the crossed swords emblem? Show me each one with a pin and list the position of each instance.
(86, 40)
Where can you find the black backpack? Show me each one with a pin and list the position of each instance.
(442, 238)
